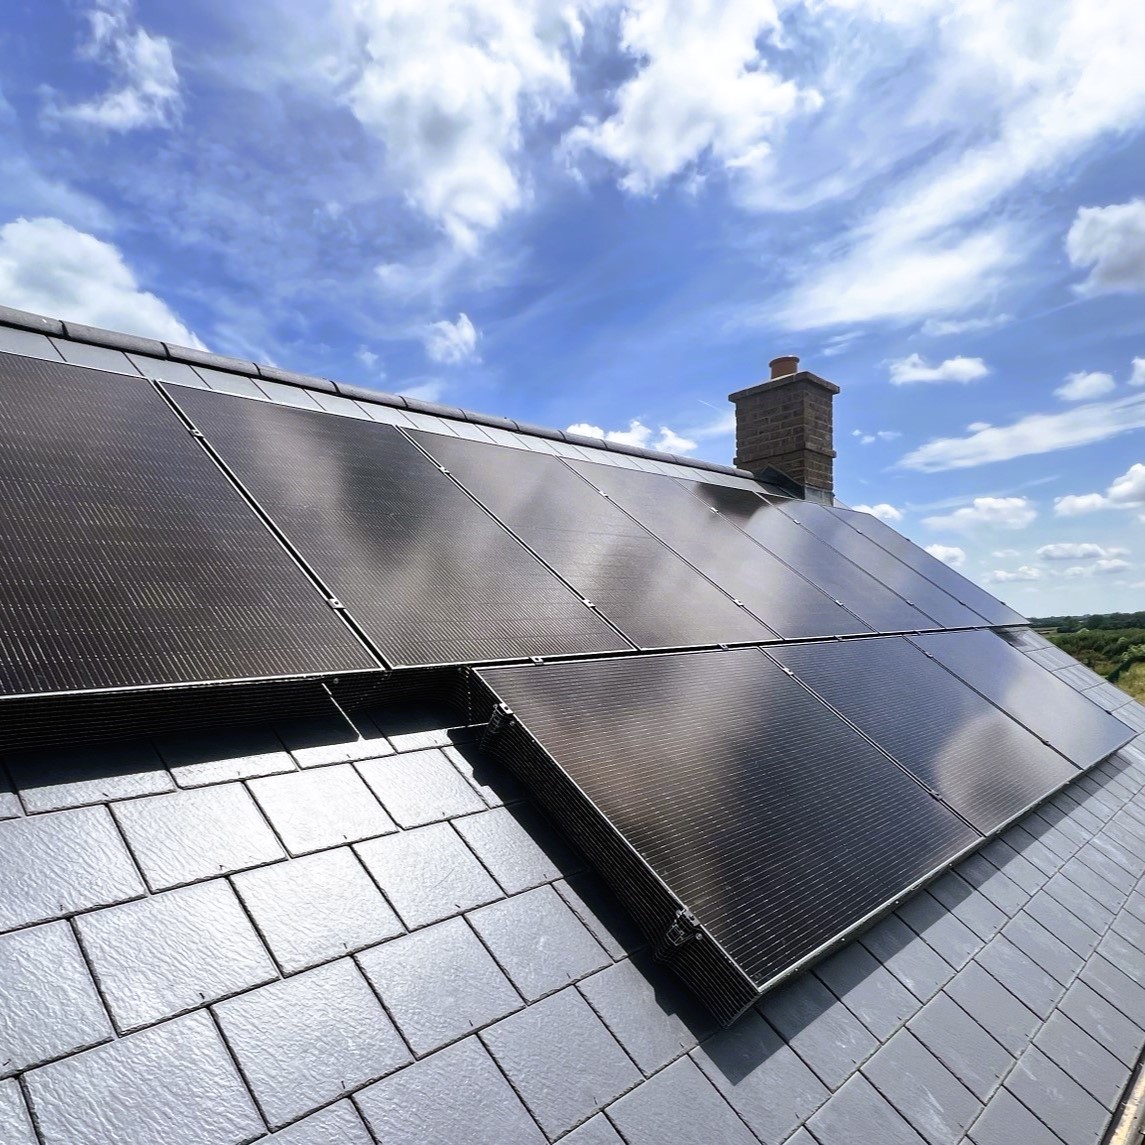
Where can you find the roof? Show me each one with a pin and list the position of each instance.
(360, 928)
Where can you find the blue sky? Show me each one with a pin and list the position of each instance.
(612, 213)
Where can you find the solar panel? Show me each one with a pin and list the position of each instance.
(829, 526)
(992, 610)
(97, 357)
(423, 569)
(1049, 707)
(656, 599)
(977, 759)
(712, 782)
(129, 559)
(774, 593)
(766, 524)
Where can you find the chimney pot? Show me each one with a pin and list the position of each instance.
(784, 365)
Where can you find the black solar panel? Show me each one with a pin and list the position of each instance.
(128, 558)
(715, 781)
(423, 569)
(656, 599)
(977, 759)
(780, 597)
(1049, 707)
(829, 526)
(766, 524)
(992, 610)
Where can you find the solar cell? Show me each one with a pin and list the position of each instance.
(1034, 696)
(423, 569)
(774, 593)
(129, 560)
(656, 599)
(97, 357)
(716, 782)
(976, 758)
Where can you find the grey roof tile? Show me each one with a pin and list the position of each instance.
(174, 1083)
(456, 1095)
(312, 810)
(173, 952)
(648, 1011)
(71, 777)
(48, 1002)
(1065, 822)
(859, 1115)
(760, 1076)
(937, 1105)
(1034, 850)
(307, 1040)
(822, 1031)
(1006, 1121)
(507, 846)
(420, 787)
(562, 1060)
(428, 874)
(1113, 985)
(1062, 923)
(1001, 1014)
(595, 1131)
(494, 783)
(539, 941)
(1126, 956)
(870, 991)
(1098, 859)
(95, 357)
(339, 1124)
(961, 1044)
(316, 908)
(418, 740)
(1094, 884)
(1104, 1022)
(1023, 977)
(679, 1106)
(1050, 836)
(1097, 916)
(439, 984)
(60, 863)
(1089, 1064)
(319, 741)
(190, 835)
(1131, 928)
(999, 888)
(940, 929)
(10, 806)
(1048, 951)
(1061, 1103)
(1016, 867)
(594, 904)
(914, 963)
(196, 760)
(968, 905)
(16, 1125)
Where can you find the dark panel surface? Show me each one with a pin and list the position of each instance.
(428, 574)
(1049, 707)
(961, 588)
(978, 760)
(656, 599)
(829, 526)
(128, 559)
(860, 592)
(763, 812)
(781, 598)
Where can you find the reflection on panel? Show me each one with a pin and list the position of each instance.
(977, 759)
(786, 602)
(718, 777)
(429, 575)
(1049, 707)
(655, 598)
(829, 526)
(765, 523)
(941, 574)
(128, 558)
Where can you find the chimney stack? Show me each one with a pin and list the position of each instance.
(785, 423)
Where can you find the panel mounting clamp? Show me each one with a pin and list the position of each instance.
(500, 721)
(681, 930)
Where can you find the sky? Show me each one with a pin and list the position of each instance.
(611, 214)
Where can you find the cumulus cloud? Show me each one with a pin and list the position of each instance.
(914, 369)
(1083, 386)
(1098, 568)
(638, 434)
(1124, 492)
(1137, 376)
(145, 85)
(950, 554)
(451, 343)
(49, 267)
(882, 510)
(991, 512)
(1023, 572)
(1111, 242)
(1079, 551)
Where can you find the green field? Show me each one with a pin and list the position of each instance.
(1113, 645)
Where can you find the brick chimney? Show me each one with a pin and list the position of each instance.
(785, 423)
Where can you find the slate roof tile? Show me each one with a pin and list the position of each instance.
(420, 787)
(909, 958)
(1062, 923)
(506, 842)
(859, 1115)
(597, 1130)
(998, 1011)
(15, 1124)
(1096, 915)
(597, 908)
(338, 1124)
(1076, 1117)
(868, 990)
(940, 929)
(1089, 1064)
(1006, 1121)
(1108, 981)
(72, 777)
(319, 741)
(962, 1045)
(1103, 1021)
(196, 760)
(1048, 951)
(10, 806)
(1023, 977)
(968, 905)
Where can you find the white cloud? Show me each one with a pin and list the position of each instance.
(1036, 433)
(951, 554)
(1137, 377)
(49, 267)
(882, 510)
(878, 435)
(1079, 551)
(366, 357)
(638, 434)
(1124, 492)
(1083, 386)
(451, 343)
(1075, 504)
(673, 442)
(1005, 554)
(1098, 568)
(940, 328)
(977, 426)
(992, 512)
(145, 90)
(1111, 241)
(914, 369)
(428, 390)
(1023, 572)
